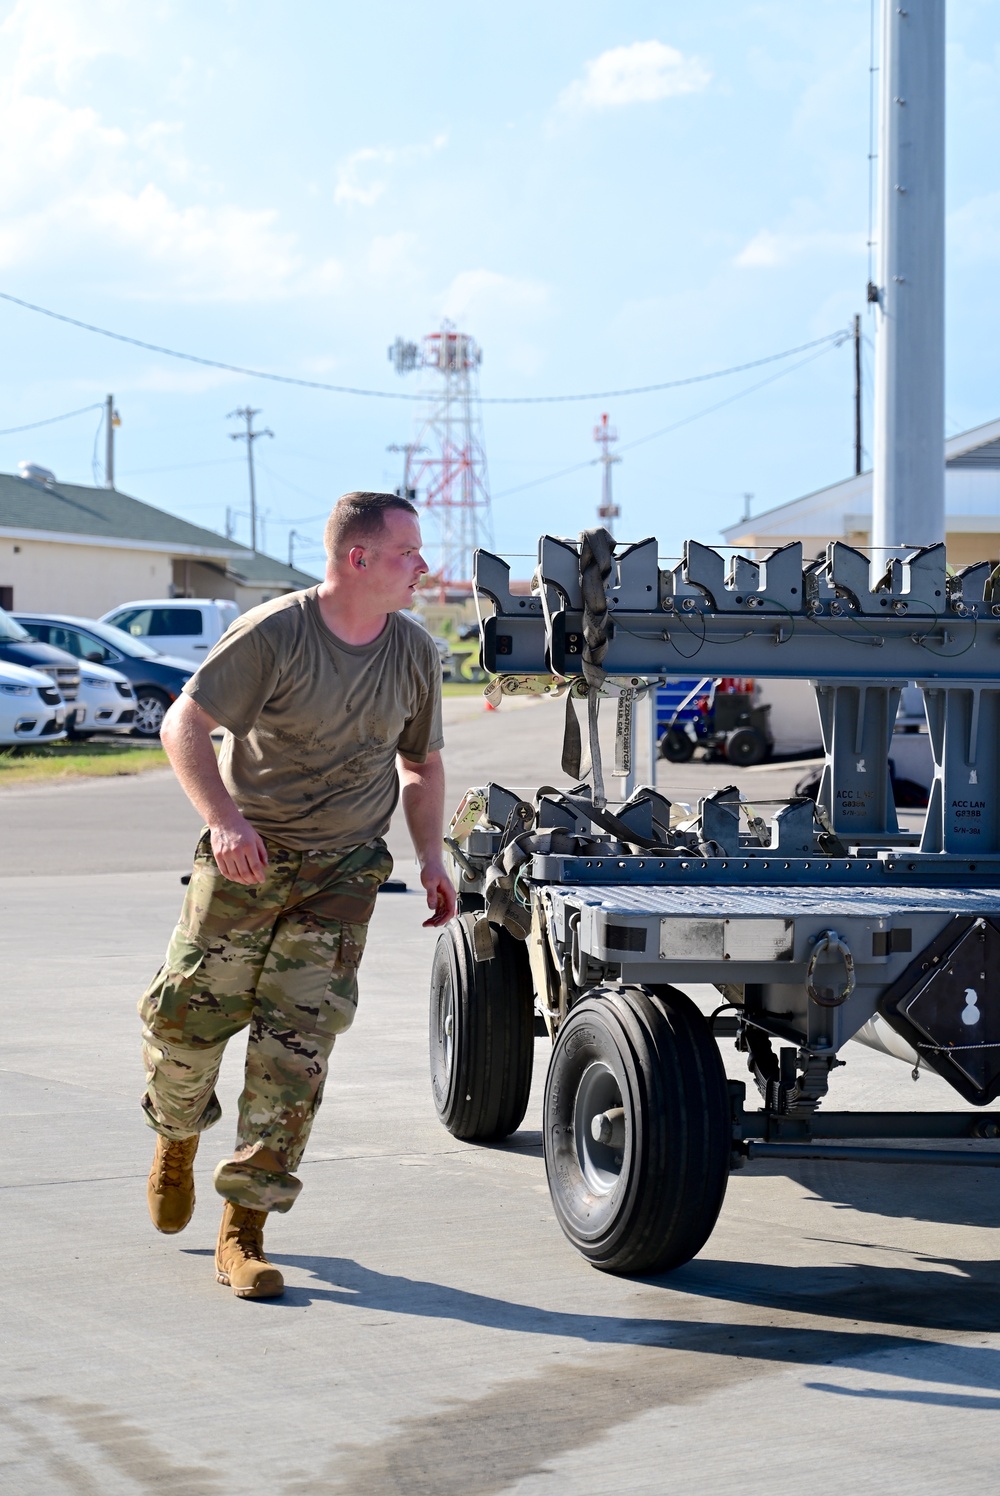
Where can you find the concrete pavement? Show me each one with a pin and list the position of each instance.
(840, 1330)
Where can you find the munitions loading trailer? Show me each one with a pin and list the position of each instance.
(825, 923)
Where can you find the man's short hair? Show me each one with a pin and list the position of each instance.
(359, 519)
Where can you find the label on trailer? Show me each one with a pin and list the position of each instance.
(727, 939)
(968, 816)
(623, 735)
(758, 939)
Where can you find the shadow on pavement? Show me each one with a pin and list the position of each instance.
(917, 1192)
(929, 1399)
(527, 1141)
(950, 1295)
(966, 1297)
(632, 1366)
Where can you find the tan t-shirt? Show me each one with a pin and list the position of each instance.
(313, 725)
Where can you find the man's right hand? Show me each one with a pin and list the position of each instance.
(239, 852)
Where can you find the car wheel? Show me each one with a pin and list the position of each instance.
(150, 710)
(745, 746)
(676, 746)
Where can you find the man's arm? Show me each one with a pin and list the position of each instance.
(186, 737)
(422, 794)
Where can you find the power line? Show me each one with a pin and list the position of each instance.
(674, 426)
(730, 399)
(577, 467)
(346, 389)
(51, 420)
(832, 339)
(287, 483)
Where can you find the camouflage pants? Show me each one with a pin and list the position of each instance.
(282, 958)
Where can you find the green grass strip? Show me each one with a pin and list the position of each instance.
(68, 760)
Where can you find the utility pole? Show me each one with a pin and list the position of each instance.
(293, 536)
(409, 449)
(245, 413)
(747, 501)
(857, 395)
(111, 420)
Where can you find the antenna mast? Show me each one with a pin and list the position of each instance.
(445, 468)
(605, 436)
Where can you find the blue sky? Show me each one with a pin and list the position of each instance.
(603, 196)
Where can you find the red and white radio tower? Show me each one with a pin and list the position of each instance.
(605, 435)
(445, 471)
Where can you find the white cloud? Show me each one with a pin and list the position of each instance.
(124, 205)
(361, 176)
(55, 42)
(352, 186)
(637, 74)
(227, 252)
(772, 251)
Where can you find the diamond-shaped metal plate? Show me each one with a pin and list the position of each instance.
(947, 1004)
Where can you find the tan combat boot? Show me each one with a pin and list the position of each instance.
(239, 1257)
(170, 1187)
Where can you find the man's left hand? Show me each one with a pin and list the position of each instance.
(441, 895)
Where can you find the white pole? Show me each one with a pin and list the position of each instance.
(109, 442)
(908, 456)
(653, 740)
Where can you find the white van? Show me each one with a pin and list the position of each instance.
(185, 627)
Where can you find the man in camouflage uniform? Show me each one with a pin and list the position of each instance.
(331, 701)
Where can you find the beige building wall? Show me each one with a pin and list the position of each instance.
(253, 595)
(200, 579)
(53, 577)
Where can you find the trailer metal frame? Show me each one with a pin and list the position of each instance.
(821, 924)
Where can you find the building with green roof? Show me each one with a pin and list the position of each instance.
(71, 549)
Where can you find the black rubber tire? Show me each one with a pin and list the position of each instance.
(746, 746)
(651, 1204)
(481, 1070)
(150, 710)
(676, 746)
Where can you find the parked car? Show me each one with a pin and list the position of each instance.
(156, 679)
(19, 647)
(31, 709)
(440, 644)
(185, 627)
(105, 702)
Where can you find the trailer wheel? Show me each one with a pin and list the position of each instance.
(745, 746)
(636, 1130)
(676, 746)
(482, 1034)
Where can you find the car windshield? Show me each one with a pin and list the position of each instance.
(121, 641)
(11, 630)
